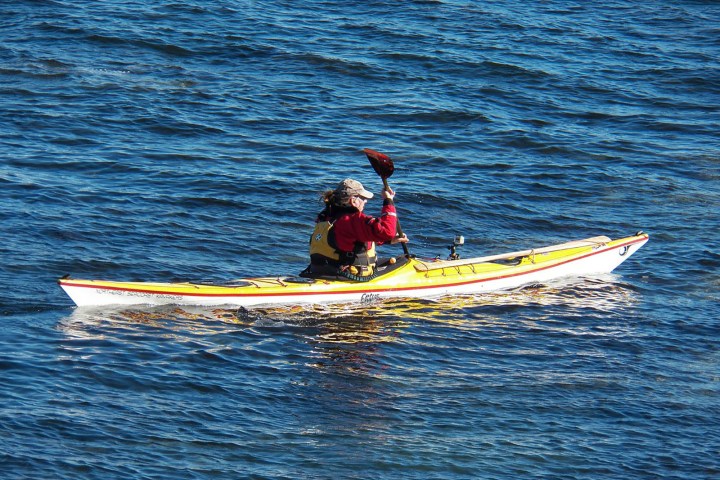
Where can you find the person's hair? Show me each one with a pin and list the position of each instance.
(332, 200)
(328, 198)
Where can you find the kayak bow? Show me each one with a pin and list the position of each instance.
(407, 278)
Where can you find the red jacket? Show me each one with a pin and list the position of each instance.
(358, 227)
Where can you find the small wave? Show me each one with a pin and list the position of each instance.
(439, 116)
(174, 126)
(505, 69)
(151, 44)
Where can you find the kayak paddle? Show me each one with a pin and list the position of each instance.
(384, 167)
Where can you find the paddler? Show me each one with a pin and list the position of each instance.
(344, 239)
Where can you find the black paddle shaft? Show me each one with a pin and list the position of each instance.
(397, 224)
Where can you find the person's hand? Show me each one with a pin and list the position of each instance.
(388, 194)
(403, 239)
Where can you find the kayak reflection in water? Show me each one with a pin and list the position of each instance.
(344, 238)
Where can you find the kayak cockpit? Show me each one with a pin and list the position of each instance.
(383, 267)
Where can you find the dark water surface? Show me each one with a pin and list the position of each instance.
(190, 140)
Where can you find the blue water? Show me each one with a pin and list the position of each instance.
(191, 140)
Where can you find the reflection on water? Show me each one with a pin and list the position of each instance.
(360, 341)
(88, 322)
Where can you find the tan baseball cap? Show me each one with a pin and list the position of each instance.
(349, 188)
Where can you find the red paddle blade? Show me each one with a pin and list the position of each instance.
(381, 163)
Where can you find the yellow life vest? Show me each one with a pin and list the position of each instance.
(323, 251)
(320, 242)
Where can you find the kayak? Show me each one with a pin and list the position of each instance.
(403, 277)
